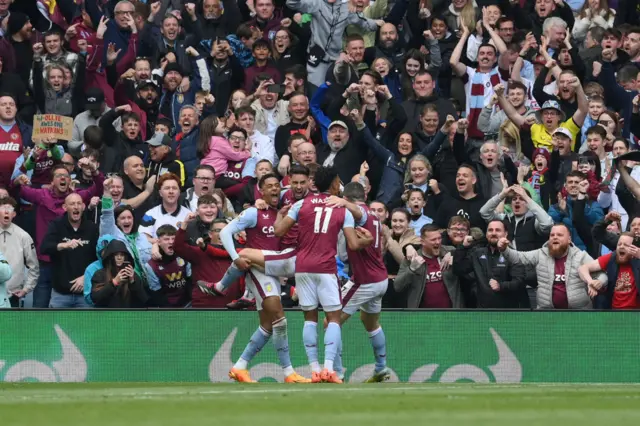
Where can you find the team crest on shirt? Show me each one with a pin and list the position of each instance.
(265, 216)
(268, 288)
(180, 262)
(14, 136)
(180, 98)
(49, 154)
(238, 166)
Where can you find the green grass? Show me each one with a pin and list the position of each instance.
(391, 404)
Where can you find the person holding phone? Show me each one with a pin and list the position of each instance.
(117, 285)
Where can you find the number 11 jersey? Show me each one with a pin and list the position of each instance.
(318, 230)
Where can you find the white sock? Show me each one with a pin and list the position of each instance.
(328, 365)
(288, 371)
(315, 367)
(241, 364)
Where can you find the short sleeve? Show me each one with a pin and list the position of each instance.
(294, 210)
(349, 222)
(247, 219)
(603, 261)
(364, 218)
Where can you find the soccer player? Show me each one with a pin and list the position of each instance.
(278, 263)
(315, 269)
(369, 281)
(259, 227)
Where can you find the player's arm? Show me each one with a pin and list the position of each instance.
(356, 240)
(287, 217)
(358, 214)
(247, 219)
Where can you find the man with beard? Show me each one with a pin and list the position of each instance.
(389, 46)
(127, 84)
(576, 185)
(479, 83)
(622, 268)
(466, 202)
(96, 108)
(173, 98)
(632, 45)
(567, 96)
(123, 144)
(491, 118)
(163, 159)
(424, 85)
(49, 203)
(168, 212)
(557, 264)
(341, 150)
(16, 53)
(496, 282)
(70, 243)
(429, 282)
(301, 122)
(226, 72)
(351, 64)
(169, 276)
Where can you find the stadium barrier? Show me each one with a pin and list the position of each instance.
(437, 346)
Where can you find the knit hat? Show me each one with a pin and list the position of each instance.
(342, 73)
(173, 66)
(15, 22)
(543, 152)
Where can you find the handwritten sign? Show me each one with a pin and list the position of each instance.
(52, 126)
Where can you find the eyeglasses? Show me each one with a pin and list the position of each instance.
(459, 230)
(237, 138)
(280, 38)
(203, 179)
(61, 175)
(7, 208)
(124, 12)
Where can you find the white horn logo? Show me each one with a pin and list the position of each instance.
(72, 367)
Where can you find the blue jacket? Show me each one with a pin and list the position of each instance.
(592, 213)
(187, 146)
(604, 301)
(200, 81)
(5, 275)
(94, 267)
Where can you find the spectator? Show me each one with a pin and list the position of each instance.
(70, 243)
(16, 52)
(227, 73)
(169, 276)
(497, 283)
(119, 146)
(163, 159)
(270, 112)
(424, 93)
(96, 107)
(15, 131)
(168, 212)
(557, 264)
(262, 147)
(136, 192)
(622, 269)
(117, 285)
(262, 66)
(562, 212)
(19, 252)
(207, 212)
(429, 283)
(204, 181)
(416, 203)
(593, 13)
(185, 145)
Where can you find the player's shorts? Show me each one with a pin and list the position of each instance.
(280, 263)
(262, 286)
(314, 289)
(365, 297)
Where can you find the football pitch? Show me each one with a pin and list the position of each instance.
(399, 404)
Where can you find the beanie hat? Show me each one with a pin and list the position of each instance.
(173, 66)
(543, 152)
(15, 22)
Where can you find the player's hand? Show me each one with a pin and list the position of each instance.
(416, 263)
(495, 285)
(334, 201)
(363, 234)
(503, 243)
(242, 264)
(261, 204)
(284, 210)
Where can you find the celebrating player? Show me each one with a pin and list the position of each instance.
(315, 268)
(259, 227)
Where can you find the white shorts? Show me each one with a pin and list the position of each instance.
(366, 297)
(262, 286)
(280, 263)
(314, 289)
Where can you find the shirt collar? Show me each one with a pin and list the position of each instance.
(174, 214)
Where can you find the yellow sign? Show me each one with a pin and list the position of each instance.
(52, 126)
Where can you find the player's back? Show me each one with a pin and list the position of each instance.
(367, 265)
(318, 230)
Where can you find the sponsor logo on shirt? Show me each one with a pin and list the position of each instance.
(9, 146)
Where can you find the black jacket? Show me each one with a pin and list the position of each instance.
(348, 160)
(12, 84)
(169, 165)
(449, 205)
(413, 109)
(228, 78)
(69, 264)
(117, 147)
(481, 264)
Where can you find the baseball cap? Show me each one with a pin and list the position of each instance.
(145, 83)
(563, 131)
(159, 139)
(339, 123)
(94, 98)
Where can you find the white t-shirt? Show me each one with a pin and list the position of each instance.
(158, 216)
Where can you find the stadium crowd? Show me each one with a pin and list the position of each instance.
(486, 135)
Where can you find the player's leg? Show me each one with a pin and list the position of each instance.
(329, 297)
(308, 300)
(370, 317)
(233, 273)
(273, 307)
(258, 340)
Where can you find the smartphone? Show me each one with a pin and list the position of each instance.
(276, 88)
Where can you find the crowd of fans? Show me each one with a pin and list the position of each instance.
(486, 135)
